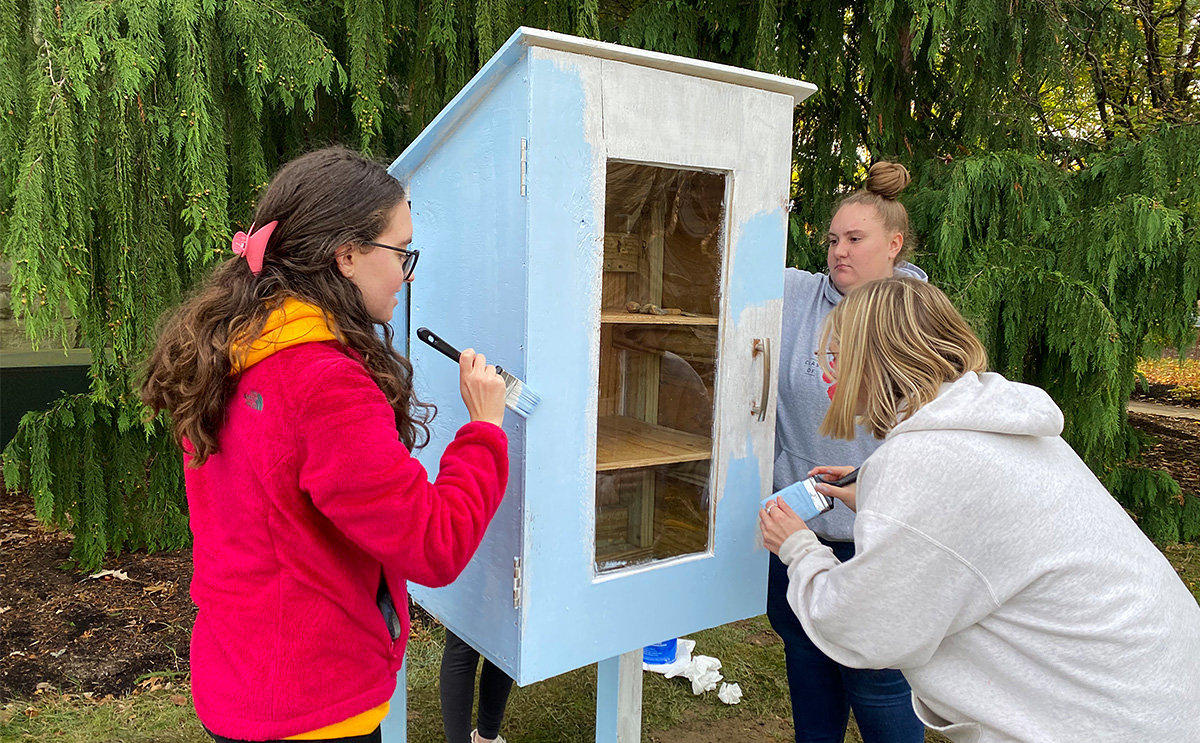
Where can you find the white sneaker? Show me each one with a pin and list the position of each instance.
(476, 739)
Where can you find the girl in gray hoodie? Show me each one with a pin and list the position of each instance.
(868, 239)
(992, 567)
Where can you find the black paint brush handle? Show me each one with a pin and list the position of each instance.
(844, 481)
(447, 350)
(438, 344)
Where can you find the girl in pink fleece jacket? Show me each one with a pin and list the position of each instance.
(297, 419)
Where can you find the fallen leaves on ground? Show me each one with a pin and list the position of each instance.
(1182, 377)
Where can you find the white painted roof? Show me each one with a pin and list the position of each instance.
(658, 61)
(523, 38)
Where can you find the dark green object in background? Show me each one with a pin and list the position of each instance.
(33, 380)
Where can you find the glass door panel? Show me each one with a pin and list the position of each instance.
(664, 237)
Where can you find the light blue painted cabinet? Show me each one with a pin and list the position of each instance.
(609, 225)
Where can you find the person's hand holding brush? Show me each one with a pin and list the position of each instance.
(846, 494)
(481, 387)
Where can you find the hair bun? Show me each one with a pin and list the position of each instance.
(887, 179)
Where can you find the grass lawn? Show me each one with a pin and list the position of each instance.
(560, 709)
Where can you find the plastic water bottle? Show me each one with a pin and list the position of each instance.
(660, 653)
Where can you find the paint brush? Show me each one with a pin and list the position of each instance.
(518, 398)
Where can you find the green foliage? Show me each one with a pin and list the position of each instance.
(1189, 524)
(114, 482)
(134, 139)
(1071, 275)
(1153, 494)
(1054, 145)
(136, 136)
(1054, 149)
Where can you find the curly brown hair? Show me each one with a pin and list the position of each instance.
(321, 200)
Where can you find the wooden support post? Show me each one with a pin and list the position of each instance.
(394, 728)
(619, 699)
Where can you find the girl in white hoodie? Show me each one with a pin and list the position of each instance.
(991, 566)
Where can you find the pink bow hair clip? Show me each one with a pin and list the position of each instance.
(253, 246)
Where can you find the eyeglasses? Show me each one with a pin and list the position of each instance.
(410, 256)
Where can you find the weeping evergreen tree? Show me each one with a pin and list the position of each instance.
(1056, 150)
(134, 137)
(1072, 275)
(1054, 145)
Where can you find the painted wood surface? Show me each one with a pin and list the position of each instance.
(518, 276)
(586, 111)
(394, 728)
(513, 52)
(619, 698)
(469, 221)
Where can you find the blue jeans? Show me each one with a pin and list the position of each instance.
(824, 691)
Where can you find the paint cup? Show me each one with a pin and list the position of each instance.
(660, 653)
(803, 498)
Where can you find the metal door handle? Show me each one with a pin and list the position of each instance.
(763, 346)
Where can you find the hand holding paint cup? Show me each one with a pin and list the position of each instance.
(778, 521)
(804, 497)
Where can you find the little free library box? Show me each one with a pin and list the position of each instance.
(609, 225)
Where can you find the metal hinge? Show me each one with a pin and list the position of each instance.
(517, 580)
(524, 162)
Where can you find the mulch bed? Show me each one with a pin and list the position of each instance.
(100, 636)
(84, 635)
(1177, 450)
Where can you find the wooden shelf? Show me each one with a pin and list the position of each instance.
(617, 317)
(625, 443)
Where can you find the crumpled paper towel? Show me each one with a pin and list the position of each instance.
(704, 673)
(702, 670)
(730, 693)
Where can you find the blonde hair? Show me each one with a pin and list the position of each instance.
(885, 181)
(899, 340)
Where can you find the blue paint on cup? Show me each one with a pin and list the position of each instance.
(660, 653)
(803, 498)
